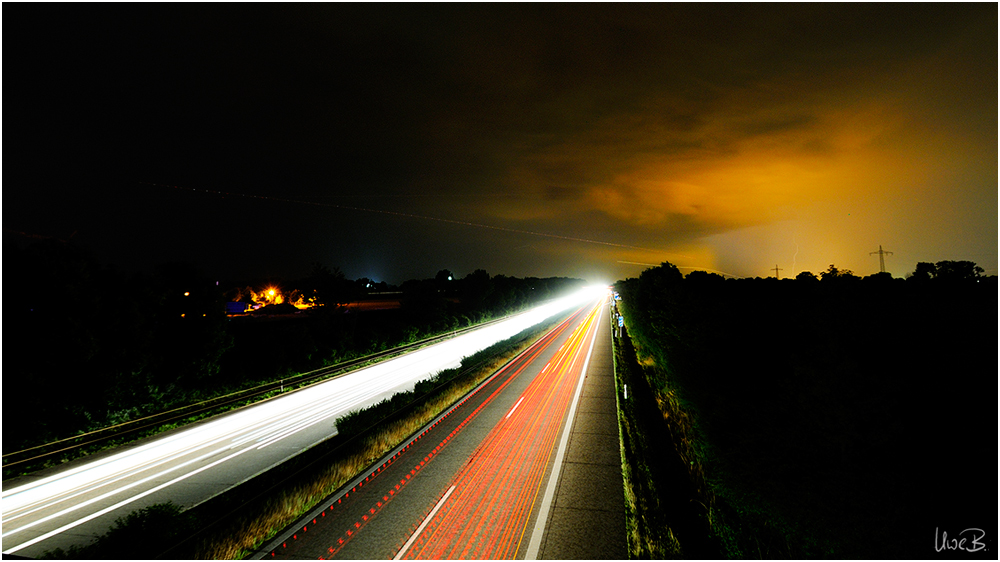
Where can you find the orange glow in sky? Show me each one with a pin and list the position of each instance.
(529, 140)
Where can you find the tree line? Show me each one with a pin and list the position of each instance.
(830, 411)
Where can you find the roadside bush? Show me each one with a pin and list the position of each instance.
(144, 533)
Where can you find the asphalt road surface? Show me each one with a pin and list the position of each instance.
(473, 483)
(80, 500)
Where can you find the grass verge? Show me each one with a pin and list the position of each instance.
(667, 504)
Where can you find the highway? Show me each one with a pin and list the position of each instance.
(80, 500)
(473, 483)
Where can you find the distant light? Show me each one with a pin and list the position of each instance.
(187, 294)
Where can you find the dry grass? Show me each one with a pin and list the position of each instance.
(259, 524)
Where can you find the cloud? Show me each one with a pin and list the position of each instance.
(670, 128)
(713, 147)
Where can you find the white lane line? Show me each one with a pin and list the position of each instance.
(550, 488)
(514, 408)
(420, 529)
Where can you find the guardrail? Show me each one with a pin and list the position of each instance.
(69, 445)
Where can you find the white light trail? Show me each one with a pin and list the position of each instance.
(95, 488)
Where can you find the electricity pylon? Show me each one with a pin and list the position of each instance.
(881, 258)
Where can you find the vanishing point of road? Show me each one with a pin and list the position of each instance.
(527, 466)
(74, 503)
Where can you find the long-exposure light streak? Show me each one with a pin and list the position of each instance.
(99, 487)
(543, 512)
(393, 488)
(487, 515)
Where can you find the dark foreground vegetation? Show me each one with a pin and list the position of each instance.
(666, 504)
(100, 347)
(832, 416)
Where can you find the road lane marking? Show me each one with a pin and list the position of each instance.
(206, 439)
(515, 407)
(550, 489)
(517, 364)
(420, 529)
(504, 481)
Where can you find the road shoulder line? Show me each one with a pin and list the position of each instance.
(550, 488)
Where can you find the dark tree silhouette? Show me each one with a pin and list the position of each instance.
(802, 398)
(947, 271)
(835, 274)
(807, 276)
(330, 287)
(957, 271)
(704, 277)
(924, 272)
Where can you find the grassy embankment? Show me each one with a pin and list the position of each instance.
(234, 524)
(829, 419)
(665, 495)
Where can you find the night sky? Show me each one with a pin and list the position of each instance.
(393, 141)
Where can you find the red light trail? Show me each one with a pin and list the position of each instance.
(394, 488)
(487, 482)
(487, 513)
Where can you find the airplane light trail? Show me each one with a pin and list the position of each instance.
(409, 215)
